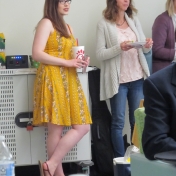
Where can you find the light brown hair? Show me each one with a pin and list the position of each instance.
(111, 11)
(170, 7)
(51, 12)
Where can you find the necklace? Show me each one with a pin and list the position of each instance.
(120, 24)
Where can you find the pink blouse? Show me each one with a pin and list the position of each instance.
(130, 69)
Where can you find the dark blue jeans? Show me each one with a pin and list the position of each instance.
(133, 92)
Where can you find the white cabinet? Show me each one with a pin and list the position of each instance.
(16, 96)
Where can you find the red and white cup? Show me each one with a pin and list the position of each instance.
(78, 52)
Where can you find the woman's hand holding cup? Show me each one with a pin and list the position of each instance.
(82, 59)
(77, 63)
(86, 58)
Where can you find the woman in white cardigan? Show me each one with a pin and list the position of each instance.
(123, 67)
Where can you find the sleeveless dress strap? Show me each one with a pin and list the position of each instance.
(69, 29)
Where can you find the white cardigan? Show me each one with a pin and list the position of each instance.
(108, 51)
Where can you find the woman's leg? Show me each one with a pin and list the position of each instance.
(118, 105)
(135, 94)
(54, 136)
(66, 143)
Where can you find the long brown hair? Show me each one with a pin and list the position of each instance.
(111, 11)
(50, 11)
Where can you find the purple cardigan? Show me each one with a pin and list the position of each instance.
(163, 41)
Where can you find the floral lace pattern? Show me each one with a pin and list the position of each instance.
(58, 94)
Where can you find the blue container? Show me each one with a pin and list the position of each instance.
(7, 168)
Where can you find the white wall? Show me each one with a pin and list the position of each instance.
(18, 19)
(148, 10)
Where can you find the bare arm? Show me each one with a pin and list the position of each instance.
(44, 29)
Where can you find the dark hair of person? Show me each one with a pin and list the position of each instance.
(51, 12)
(111, 11)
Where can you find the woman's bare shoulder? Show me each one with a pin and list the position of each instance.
(45, 22)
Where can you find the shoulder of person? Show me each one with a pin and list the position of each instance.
(71, 29)
(163, 17)
(46, 22)
(134, 19)
(103, 22)
(163, 75)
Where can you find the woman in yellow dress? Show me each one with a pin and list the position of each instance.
(58, 96)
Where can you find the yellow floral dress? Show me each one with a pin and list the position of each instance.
(58, 94)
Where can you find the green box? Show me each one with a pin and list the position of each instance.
(34, 64)
(2, 58)
(2, 42)
(2, 50)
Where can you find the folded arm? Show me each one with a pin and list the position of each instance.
(156, 135)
